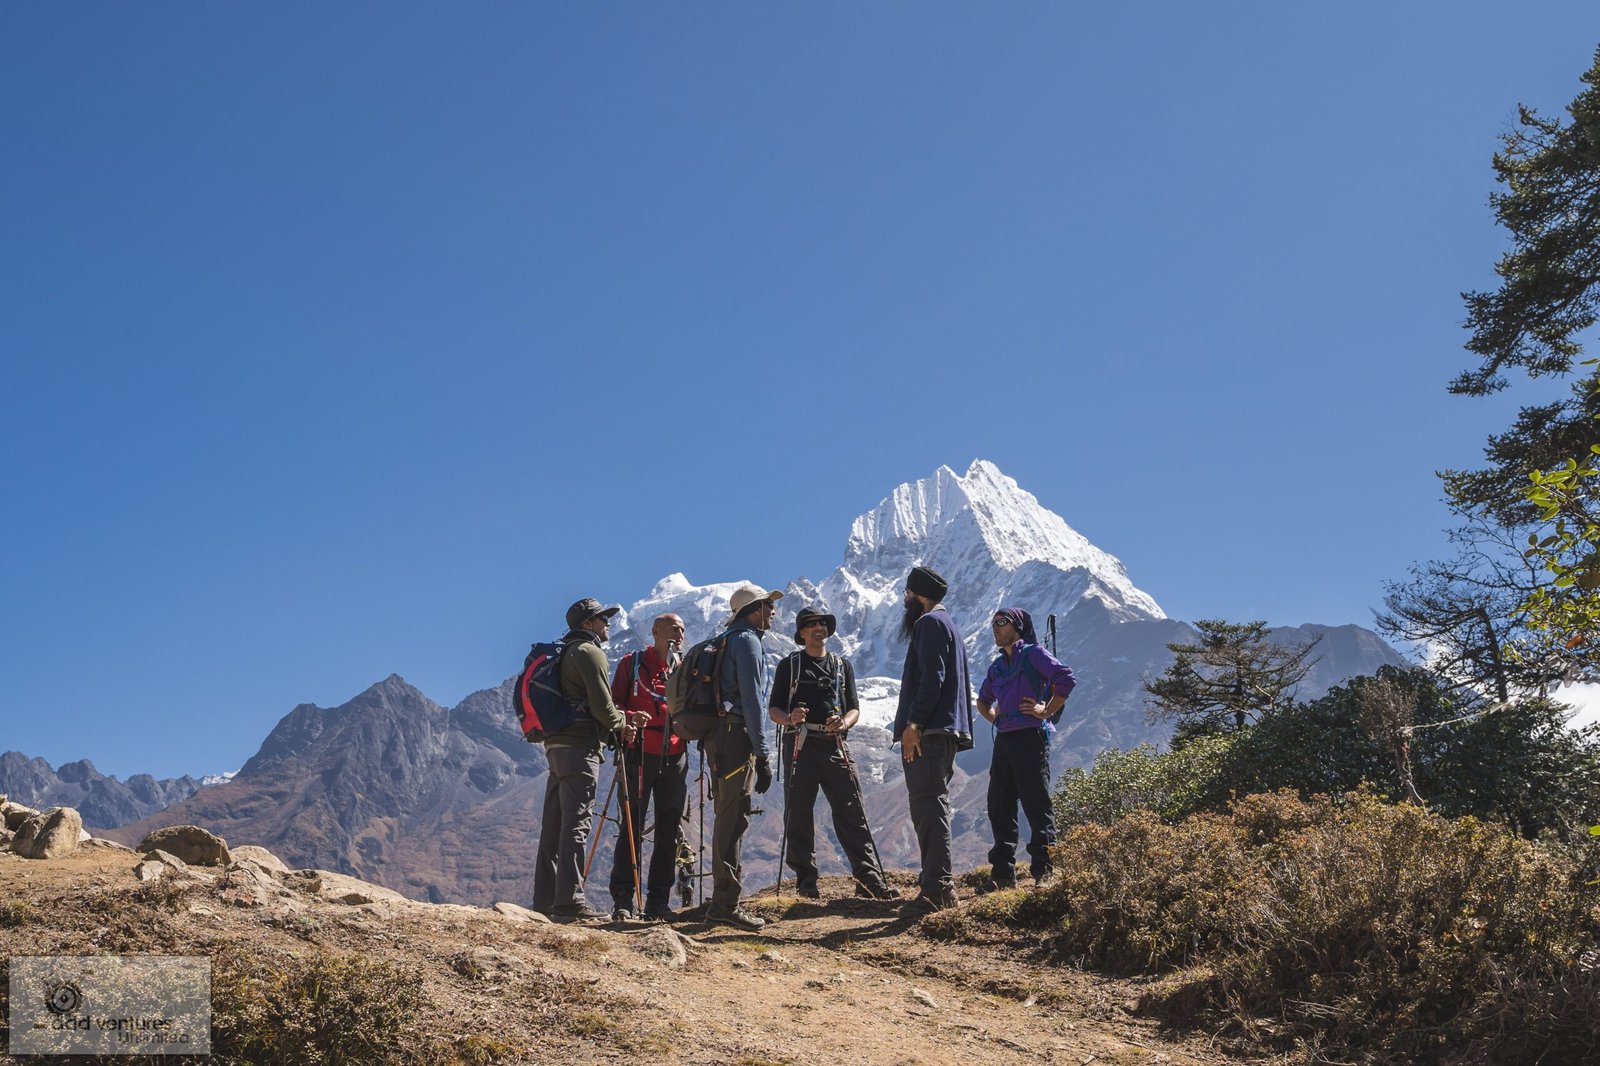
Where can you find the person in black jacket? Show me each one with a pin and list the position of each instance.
(814, 699)
(932, 722)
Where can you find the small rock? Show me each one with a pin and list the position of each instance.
(922, 997)
(741, 964)
(663, 945)
(813, 983)
(102, 842)
(520, 914)
(261, 857)
(774, 957)
(189, 843)
(486, 964)
(244, 885)
(352, 891)
(201, 908)
(166, 858)
(149, 870)
(49, 834)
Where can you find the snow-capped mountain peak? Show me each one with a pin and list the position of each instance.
(991, 539)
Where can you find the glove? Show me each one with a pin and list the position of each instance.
(763, 774)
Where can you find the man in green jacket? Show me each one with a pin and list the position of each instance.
(574, 757)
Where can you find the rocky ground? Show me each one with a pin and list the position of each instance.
(311, 964)
(309, 961)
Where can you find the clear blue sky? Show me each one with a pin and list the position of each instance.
(341, 339)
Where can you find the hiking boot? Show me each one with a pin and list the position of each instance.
(659, 910)
(737, 917)
(623, 913)
(575, 912)
(925, 903)
(808, 890)
(996, 884)
(1044, 878)
(876, 890)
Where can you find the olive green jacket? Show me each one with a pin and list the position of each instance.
(586, 680)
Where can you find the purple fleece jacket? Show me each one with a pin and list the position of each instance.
(1031, 671)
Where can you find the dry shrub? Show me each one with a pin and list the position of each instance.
(316, 1008)
(1364, 930)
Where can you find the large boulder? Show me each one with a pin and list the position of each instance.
(15, 814)
(189, 843)
(49, 834)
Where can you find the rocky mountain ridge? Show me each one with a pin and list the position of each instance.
(100, 798)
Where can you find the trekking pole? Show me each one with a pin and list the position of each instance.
(1053, 652)
(638, 851)
(626, 822)
(783, 835)
(594, 845)
(850, 764)
(700, 867)
(788, 787)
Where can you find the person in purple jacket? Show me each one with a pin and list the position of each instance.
(1022, 695)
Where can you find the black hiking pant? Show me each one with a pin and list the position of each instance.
(668, 784)
(821, 764)
(1020, 773)
(928, 778)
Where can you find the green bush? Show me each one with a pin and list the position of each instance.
(1170, 784)
(1518, 764)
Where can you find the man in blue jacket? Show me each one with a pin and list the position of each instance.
(932, 722)
(1022, 695)
(737, 750)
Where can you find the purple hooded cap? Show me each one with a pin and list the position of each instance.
(1022, 620)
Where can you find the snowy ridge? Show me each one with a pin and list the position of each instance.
(991, 539)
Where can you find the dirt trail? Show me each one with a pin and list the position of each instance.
(836, 981)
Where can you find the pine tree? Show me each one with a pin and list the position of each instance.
(1229, 677)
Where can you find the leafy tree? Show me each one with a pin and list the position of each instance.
(1549, 296)
(1230, 676)
(1469, 611)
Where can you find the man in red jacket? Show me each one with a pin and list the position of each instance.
(639, 687)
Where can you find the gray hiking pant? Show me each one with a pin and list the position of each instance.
(928, 794)
(733, 771)
(564, 830)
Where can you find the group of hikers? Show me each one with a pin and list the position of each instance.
(719, 695)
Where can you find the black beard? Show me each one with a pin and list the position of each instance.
(909, 621)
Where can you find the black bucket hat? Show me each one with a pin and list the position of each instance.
(586, 609)
(806, 617)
